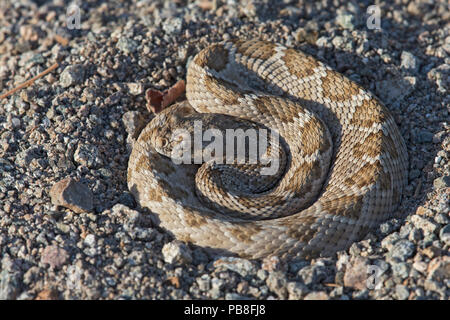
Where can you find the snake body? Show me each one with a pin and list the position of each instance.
(346, 160)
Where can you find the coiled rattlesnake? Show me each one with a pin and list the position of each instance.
(346, 160)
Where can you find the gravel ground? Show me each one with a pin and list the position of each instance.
(66, 140)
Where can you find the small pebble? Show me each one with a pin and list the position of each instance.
(73, 195)
(176, 252)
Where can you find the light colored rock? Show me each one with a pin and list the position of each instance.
(54, 256)
(317, 295)
(242, 266)
(356, 274)
(424, 224)
(439, 269)
(276, 281)
(176, 252)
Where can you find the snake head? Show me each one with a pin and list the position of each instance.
(168, 129)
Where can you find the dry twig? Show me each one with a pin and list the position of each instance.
(30, 81)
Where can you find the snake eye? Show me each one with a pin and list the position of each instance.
(161, 142)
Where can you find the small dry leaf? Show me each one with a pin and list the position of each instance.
(47, 294)
(61, 40)
(175, 281)
(158, 101)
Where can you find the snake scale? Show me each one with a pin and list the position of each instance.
(345, 169)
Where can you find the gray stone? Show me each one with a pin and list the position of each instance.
(439, 269)
(402, 250)
(173, 25)
(400, 270)
(9, 285)
(431, 285)
(72, 75)
(337, 41)
(296, 265)
(135, 88)
(444, 234)
(242, 266)
(415, 235)
(424, 224)
(15, 123)
(25, 157)
(235, 296)
(72, 194)
(389, 241)
(441, 182)
(423, 136)
(386, 228)
(414, 174)
(89, 240)
(296, 290)
(356, 274)
(126, 45)
(401, 292)
(127, 199)
(409, 61)
(262, 274)
(392, 90)
(317, 295)
(277, 284)
(87, 155)
(313, 274)
(204, 282)
(346, 20)
(133, 122)
(54, 256)
(405, 230)
(216, 290)
(176, 252)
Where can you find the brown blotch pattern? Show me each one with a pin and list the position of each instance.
(202, 108)
(224, 91)
(369, 113)
(145, 135)
(172, 191)
(299, 64)
(244, 234)
(143, 164)
(375, 144)
(312, 138)
(214, 57)
(369, 174)
(162, 165)
(286, 114)
(337, 87)
(262, 202)
(154, 195)
(346, 206)
(255, 49)
(307, 172)
(302, 234)
(154, 161)
(194, 220)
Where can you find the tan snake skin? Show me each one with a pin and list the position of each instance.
(347, 162)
